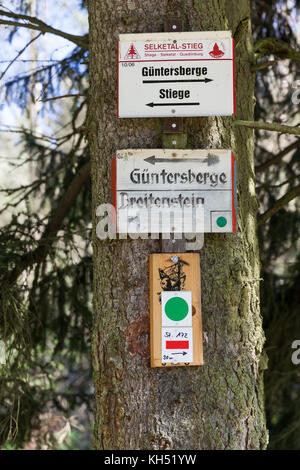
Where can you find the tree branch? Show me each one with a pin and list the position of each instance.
(71, 95)
(39, 25)
(278, 157)
(279, 204)
(264, 65)
(56, 218)
(18, 55)
(269, 126)
(272, 46)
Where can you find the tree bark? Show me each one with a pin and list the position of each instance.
(219, 405)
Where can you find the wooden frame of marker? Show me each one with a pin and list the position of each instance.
(188, 279)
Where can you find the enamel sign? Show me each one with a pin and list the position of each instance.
(176, 74)
(174, 191)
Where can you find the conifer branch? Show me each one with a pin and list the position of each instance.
(56, 218)
(70, 95)
(276, 158)
(39, 25)
(276, 47)
(267, 126)
(18, 55)
(289, 196)
(264, 65)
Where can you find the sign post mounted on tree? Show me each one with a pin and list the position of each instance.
(176, 74)
(167, 408)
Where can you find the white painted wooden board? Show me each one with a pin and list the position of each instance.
(176, 74)
(155, 190)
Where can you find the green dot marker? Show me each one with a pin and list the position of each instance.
(221, 222)
(176, 309)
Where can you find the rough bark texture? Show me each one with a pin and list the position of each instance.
(219, 405)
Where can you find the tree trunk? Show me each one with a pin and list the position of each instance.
(219, 405)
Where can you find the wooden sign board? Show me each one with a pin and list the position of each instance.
(197, 187)
(175, 310)
(176, 74)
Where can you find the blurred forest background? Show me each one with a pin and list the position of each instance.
(46, 391)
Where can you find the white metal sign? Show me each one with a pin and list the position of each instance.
(183, 191)
(177, 329)
(176, 74)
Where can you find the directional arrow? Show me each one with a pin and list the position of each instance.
(205, 80)
(171, 104)
(210, 160)
(183, 353)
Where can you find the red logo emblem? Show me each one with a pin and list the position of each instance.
(216, 52)
(132, 53)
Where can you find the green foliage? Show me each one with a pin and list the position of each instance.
(45, 315)
(279, 237)
(280, 303)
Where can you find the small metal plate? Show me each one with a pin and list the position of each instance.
(173, 125)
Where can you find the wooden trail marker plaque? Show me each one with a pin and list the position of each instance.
(175, 310)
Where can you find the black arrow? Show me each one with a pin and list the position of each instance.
(210, 160)
(205, 80)
(171, 104)
(183, 353)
